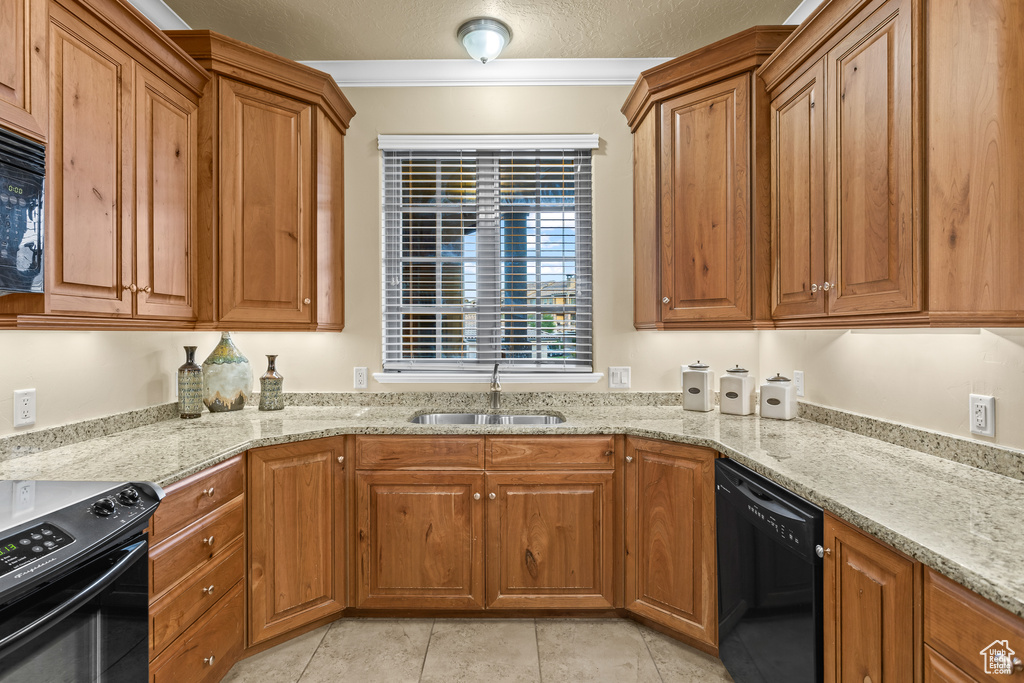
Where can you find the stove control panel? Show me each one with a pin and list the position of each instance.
(31, 544)
(123, 505)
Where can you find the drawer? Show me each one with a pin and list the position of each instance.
(180, 608)
(207, 650)
(938, 669)
(959, 624)
(551, 452)
(419, 452)
(189, 549)
(195, 496)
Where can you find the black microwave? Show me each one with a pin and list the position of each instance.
(22, 170)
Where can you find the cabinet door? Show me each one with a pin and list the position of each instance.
(265, 206)
(165, 194)
(798, 189)
(705, 203)
(89, 160)
(296, 535)
(23, 26)
(420, 543)
(549, 540)
(670, 541)
(869, 604)
(870, 224)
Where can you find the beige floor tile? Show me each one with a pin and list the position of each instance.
(482, 650)
(680, 663)
(594, 650)
(370, 651)
(281, 664)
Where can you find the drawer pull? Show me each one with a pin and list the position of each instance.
(341, 459)
(208, 590)
(208, 661)
(492, 496)
(1018, 665)
(476, 496)
(208, 492)
(208, 541)
(629, 458)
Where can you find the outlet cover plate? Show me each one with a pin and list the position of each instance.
(983, 415)
(24, 407)
(359, 378)
(618, 377)
(798, 382)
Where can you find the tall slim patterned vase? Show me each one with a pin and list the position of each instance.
(190, 386)
(271, 385)
(227, 377)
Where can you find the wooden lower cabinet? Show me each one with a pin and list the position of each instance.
(419, 540)
(296, 535)
(209, 649)
(671, 576)
(550, 540)
(871, 595)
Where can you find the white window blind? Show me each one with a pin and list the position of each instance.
(487, 259)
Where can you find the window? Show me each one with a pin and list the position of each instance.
(487, 254)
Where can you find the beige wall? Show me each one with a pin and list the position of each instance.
(80, 375)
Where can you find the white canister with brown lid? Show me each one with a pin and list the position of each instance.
(736, 392)
(698, 387)
(778, 398)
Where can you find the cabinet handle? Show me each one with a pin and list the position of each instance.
(131, 288)
(306, 301)
(629, 458)
(147, 289)
(822, 552)
(208, 590)
(827, 286)
(208, 661)
(492, 496)
(1018, 665)
(208, 541)
(814, 289)
(341, 459)
(609, 453)
(476, 496)
(208, 492)
(665, 300)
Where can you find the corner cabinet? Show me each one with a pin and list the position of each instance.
(271, 217)
(671, 574)
(700, 187)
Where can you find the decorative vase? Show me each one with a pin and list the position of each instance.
(190, 386)
(227, 377)
(271, 384)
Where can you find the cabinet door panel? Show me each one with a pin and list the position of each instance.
(23, 27)
(798, 212)
(670, 544)
(266, 206)
(165, 187)
(550, 540)
(705, 203)
(870, 216)
(296, 535)
(89, 221)
(420, 540)
(869, 608)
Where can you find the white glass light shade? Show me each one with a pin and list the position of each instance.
(484, 39)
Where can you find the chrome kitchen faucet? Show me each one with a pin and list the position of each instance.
(495, 389)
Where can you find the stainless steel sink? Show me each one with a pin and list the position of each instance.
(485, 419)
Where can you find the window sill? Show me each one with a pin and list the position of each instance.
(485, 378)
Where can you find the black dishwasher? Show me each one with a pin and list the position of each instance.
(769, 579)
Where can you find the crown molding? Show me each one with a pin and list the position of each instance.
(468, 72)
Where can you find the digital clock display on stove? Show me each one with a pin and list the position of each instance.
(31, 544)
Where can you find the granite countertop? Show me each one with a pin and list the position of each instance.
(960, 520)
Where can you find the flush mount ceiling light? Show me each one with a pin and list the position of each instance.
(484, 39)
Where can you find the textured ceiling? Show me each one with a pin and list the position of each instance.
(425, 29)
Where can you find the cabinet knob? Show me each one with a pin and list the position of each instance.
(814, 289)
(306, 301)
(341, 459)
(609, 453)
(827, 286)
(665, 300)
(208, 492)
(208, 541)
(629, 458)
(131, 288)
(208, 661)
(1018, 665)
(147, 289)
(822, 552)
(476, 496)
(208, 590)
(492, 496)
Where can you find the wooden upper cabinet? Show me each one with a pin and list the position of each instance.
(705, 231)
(265, 228)
(700, 187)
(872, 608)
(23, 72)
(670, 563)
(296, 535)
(798, 182)
(271, 216)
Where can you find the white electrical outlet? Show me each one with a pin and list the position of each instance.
(359, 378)
(24, 497)
(983, 415)
(24, 407)
(618, 377)
(798, 382)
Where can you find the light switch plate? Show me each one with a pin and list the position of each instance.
(618, 377)
(24, 407)
(983, 415)
(798, 382)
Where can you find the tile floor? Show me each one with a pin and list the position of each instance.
(547, 650)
